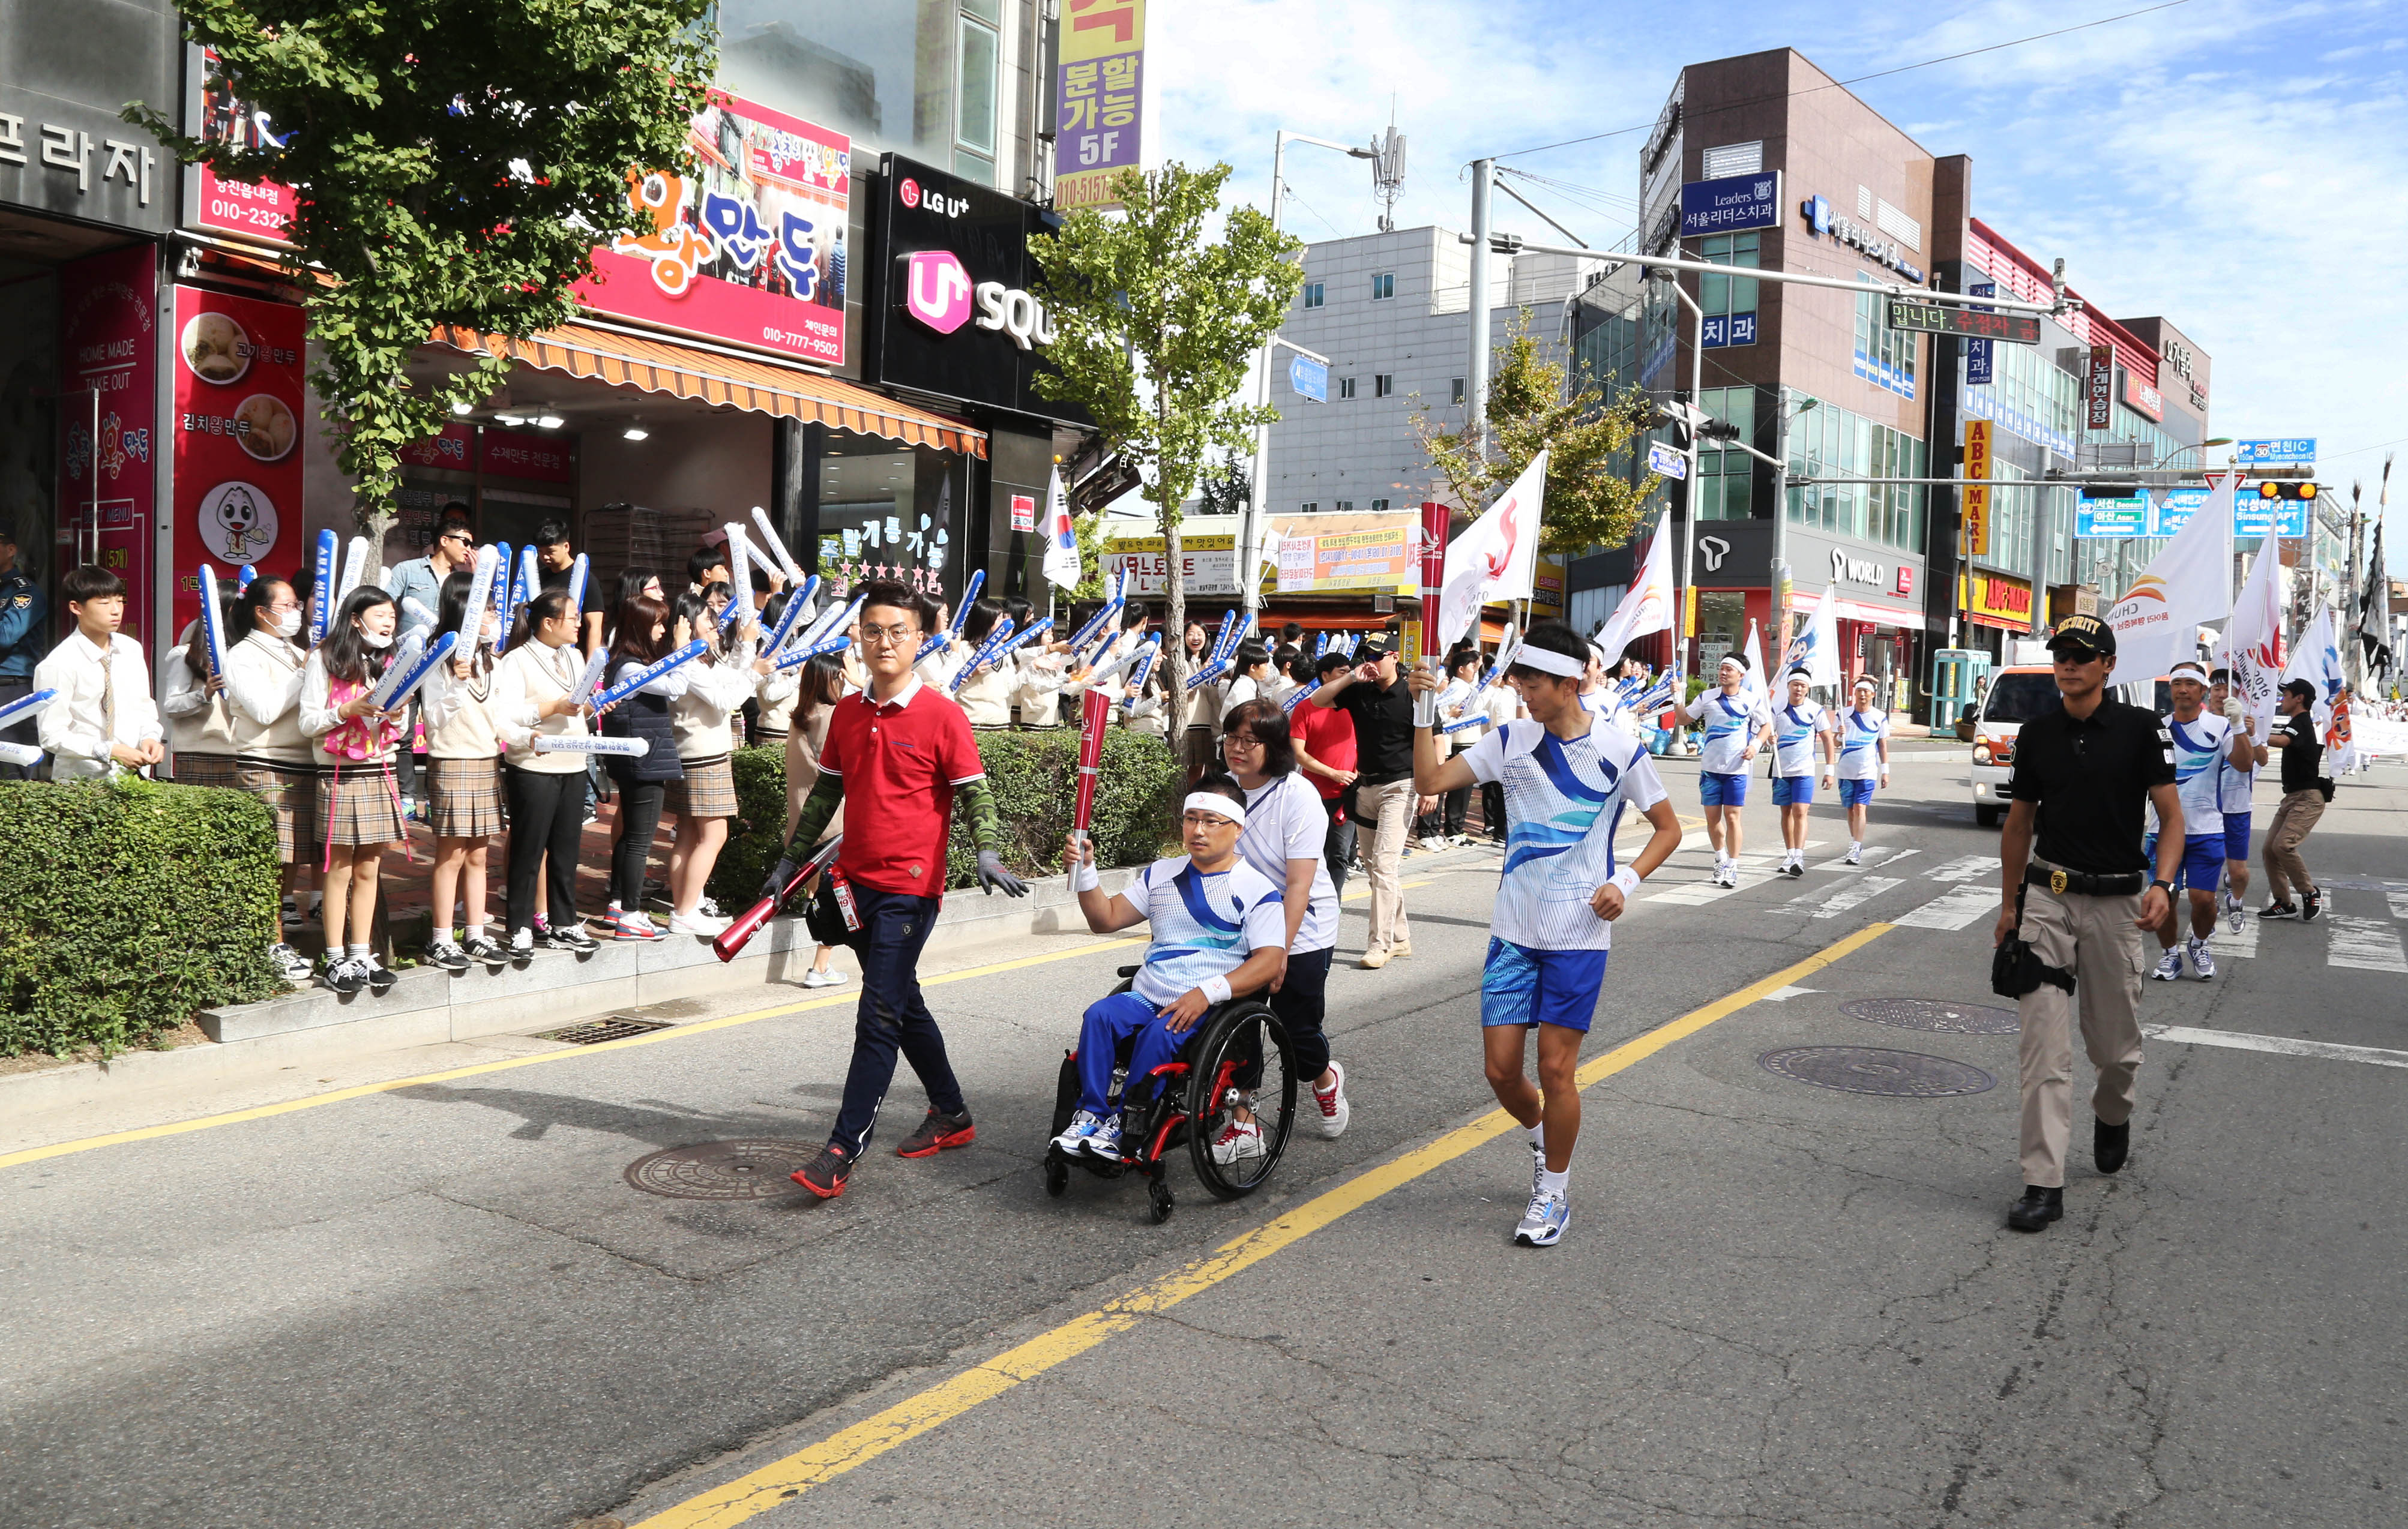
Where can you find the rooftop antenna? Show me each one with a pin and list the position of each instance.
(1388, 169)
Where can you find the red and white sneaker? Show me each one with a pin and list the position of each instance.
(1331, 1104)
(1237, 1141)
(635, 926)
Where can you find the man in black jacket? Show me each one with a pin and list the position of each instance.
(2304, 803)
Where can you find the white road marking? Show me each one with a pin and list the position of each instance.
(1691, 893)
(2227, 943)
(1781, 995)
(1831, 903)
(2366, 945)
(2278, 1045)
(1954, 909)
(2398, 904)
(1964, 869)
(1875, 854)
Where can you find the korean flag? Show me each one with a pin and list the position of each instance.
(1061, 541)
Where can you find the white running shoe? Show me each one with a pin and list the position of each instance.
(2235, 913)
(698, 923)
(1237, 1141)
(1543, 1224)
(1084, 1127)
(522, 944)
(2169, 968)
(2201, 961)
(1332, 1105)
(1856, 854)
(828, 978)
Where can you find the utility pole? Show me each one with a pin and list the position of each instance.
(2353, 652)
(1777, 579)
(1475, 378)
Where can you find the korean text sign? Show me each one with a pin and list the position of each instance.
(1096, 91)
(108, 324)
(239, 413)
(1977, 492)
(749, 249)
(256, 209)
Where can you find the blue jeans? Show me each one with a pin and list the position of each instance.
(1111, 1020)
(892, 1016)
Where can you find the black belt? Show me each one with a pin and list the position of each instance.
(2059, 881)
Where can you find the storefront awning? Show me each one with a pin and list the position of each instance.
(659, 366)
(1864, 610)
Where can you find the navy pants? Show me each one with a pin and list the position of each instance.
(892, 1016)
(1301, 1003)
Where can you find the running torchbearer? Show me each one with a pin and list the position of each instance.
(2080, 904)
(1799, 727)
(2205, 745)
(1864, 760)
(1568, 776)
(1732, 717)
(906, 753)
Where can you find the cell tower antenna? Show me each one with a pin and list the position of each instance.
(1388, 169)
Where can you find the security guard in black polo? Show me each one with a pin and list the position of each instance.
(24, 640)
(2080, 904)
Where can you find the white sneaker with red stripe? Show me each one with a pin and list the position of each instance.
(1331, 1104)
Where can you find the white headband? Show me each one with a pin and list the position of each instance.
(1548, 662)
(1213, 802)
(2188, 671)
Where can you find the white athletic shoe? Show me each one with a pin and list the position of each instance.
(828, 978)
(2201, 961)
(1237, 1141)
(522, 944)
(698, 923)
(1543, 1224)
(1086, 1126)
(1856, 854)
(2235, 913)
(2168, 968)
(1332, 1105)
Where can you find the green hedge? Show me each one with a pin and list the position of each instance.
(1035, 777)
(126, 907)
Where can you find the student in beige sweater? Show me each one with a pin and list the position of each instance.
(464, 781)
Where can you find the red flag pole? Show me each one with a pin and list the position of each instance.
(1095, 716)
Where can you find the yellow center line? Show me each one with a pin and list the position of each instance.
(1365, 892)
(789, 1477)
(679, 1032)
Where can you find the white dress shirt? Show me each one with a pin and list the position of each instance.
(75, 729)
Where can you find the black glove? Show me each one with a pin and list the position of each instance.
(992, 878)
(780, 874)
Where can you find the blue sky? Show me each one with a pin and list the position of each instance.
(2240, 168)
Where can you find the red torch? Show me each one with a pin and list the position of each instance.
(749, 922)
(1095, 716)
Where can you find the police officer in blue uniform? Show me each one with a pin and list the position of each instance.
(24, 631)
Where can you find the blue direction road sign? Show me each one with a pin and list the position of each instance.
(2112, 516)
(2283, 451)
(1666, 462)
(1310, 378)
(1731, 204)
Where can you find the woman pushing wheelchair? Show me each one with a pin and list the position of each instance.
(1183, 1050)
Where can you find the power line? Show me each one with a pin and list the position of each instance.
(1879, 74)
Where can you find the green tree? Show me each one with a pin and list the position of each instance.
(1155, 324)
(452, 162)
(1590, 499)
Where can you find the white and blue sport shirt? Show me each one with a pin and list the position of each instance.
(1730, 723)
(1564, 800)
(2198, 743)
(1204, 924)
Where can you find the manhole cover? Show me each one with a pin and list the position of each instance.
(1932, 1014)
(721, 1170)
(594, 1032)
(1872, 1069)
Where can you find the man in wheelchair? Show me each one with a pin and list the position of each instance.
(1219, 933)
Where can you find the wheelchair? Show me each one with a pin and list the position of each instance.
(1236, 1056)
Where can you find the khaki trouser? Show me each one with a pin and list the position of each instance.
(2285, 869)
(1389, 811)
(2095, 939)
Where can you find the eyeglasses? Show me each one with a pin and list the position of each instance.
(889, 636)
(1241, 740)
(455, 535)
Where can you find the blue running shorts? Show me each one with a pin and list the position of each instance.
(2202, 861)
(2236, 836)
(1721, 790)
(1793, 789)
(1856, 792)
(1523, 986)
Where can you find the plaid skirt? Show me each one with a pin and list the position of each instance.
(707, 791)
(291, 792)
(360, 807)
(465, 798)
(208, 770)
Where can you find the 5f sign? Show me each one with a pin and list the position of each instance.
(1099, 148)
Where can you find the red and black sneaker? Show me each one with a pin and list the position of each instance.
(937, 1133)
(825, 1174)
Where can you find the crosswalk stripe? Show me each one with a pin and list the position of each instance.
(1875, 854)
(1964, 869)
(2398, 904)
(1954, 910)
(2279, 1044)
(2366, 945)
(2243, 944)
(1831, 903)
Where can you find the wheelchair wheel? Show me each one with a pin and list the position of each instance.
(1066, 1093)
(1158, 1199)
(1244, 1075)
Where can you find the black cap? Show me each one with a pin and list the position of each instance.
(1373, 647)
(2083, 636)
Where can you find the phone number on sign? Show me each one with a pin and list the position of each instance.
(799, 339)
(267, 219)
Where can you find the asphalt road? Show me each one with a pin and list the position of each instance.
(443, 1305)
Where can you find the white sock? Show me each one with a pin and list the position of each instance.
(1554, 1182)
(1855, 847)
(475, 931)
(1537, 1134)
(357, 952)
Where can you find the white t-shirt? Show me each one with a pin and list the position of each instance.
(2233, 784)
(1730, 723)
(1285, 821)
(1204, 925)
(1794, 730)
(1563, 801)
(2199, 744)
(1504, 705)
(1860, 732)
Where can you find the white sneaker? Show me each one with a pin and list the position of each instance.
(1332, 1106)
(828, 978)
(698, 923)
(522, 944)
(2201, 961)
(1091, 1133)
(1543, 1224)
(1237, 1141)
(2169, 968)
(1856, 854)
(2235, 913)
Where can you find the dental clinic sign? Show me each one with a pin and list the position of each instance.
(958, 316)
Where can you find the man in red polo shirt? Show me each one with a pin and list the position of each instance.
(907, 753)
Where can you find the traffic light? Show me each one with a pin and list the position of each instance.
(2287, 489)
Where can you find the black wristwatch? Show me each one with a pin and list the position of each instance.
(2161, 881)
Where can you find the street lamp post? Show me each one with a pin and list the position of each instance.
(1250, 584)
(1684, 598)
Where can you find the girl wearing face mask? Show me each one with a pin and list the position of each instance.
(271, 755)
(704, 796)
(533, 697)
(464, 783)
(359, 804)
